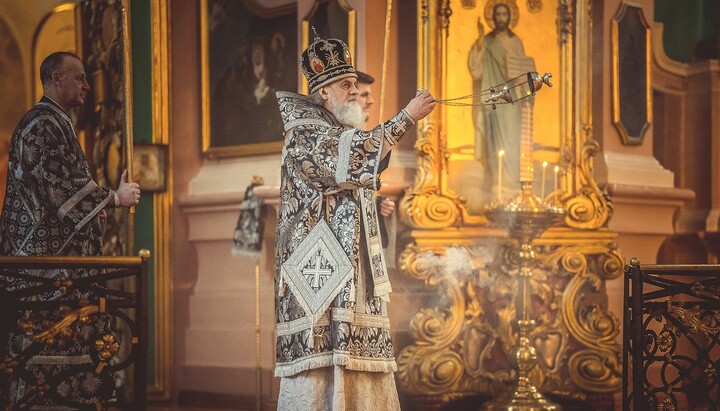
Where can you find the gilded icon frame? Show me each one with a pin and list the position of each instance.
(631, 87)
(431, 203)
(258, 127)
(150, 166)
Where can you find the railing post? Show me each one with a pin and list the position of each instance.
(626, 337)
(636, 279)
(142, 287)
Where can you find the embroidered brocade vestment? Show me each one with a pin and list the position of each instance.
(51, 202)
(51, 208)
(330, 172)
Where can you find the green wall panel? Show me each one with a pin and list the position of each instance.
(140, 20)
(687, 24)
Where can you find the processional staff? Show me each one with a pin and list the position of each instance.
(383, 75)
(127, 93)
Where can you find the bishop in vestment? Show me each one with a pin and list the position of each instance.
(334, 349)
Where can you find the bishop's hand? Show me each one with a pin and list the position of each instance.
(420, 106)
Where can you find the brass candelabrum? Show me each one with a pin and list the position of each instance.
(525, 218)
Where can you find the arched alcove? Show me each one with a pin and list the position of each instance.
(11, 83)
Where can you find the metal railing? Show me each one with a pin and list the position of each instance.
(671, 337)
(74, 332)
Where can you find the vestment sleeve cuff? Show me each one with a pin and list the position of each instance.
(396, 127)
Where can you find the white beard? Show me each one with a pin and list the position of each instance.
(349, 113)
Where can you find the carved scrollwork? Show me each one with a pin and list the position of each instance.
(595, 368)
(697, 320)
(430, 210)
(595, 371)
(611, 264)
(588, 323)
(418, 268)
(425, 206)
(463, 343)
(590, 208)
(550, 342)
(427, 367)
(573, 260)
(445, 13)
(424, 12)
(427, 371)
(565, 20)
(478, 348)
(427, 158)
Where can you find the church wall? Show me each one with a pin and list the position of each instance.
(644, 192)
(686, 100)
(684, 113)
(662, 189)
(651, 184)
(610, 139)
(185, 138)
(619, 165)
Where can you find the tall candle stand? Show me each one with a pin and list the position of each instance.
(525, 218)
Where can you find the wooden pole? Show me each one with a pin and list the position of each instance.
(127, 92)
(258, 366)
(386, 45)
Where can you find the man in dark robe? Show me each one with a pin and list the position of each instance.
(334, 349)
(53, 207)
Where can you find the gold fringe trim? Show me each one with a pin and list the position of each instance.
(332, 359)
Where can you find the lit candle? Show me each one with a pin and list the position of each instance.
(555, 185)
(501, 153)
(542, 191)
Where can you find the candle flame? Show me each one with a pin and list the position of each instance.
(501, 153)
(557, 169)
(544, 164)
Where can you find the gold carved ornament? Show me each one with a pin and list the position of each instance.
(63, 328)
(590, 208)
(695, 319)
(596, 366)
(429, 204)
(107, 346)
(428, 367)
(456, 339)
(466, 324)
(426, 206)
